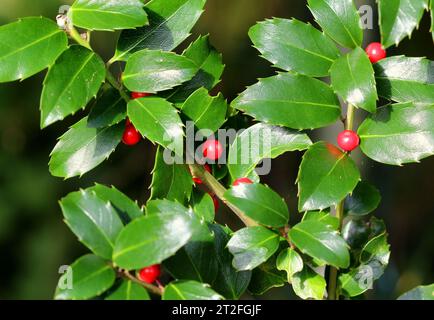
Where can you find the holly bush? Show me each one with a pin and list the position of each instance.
(337, 249)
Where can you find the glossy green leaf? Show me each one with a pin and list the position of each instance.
(151, 239)
(170, 181)
(252, 246)
(189, 290)
(323, 217)
(229, 282)
(22, 43)
(404, 79)
(419, 293)
(262, 141)
(397, 134)
(157, 120)
(307, 284)
(70, 84)
(107, 15)
(93, 220)
(290, 100)
(398, 19)
(90, 277)
(321, 242)
(129, 290)
(259, 203)
(364, 199)
(325, 177)
(210, 70)
(294, 46)
(340, 21)
(205, 111)
(353, 79)
(109, 109)
(374, 259)
(203, 205)
(195, 261)
(82, 148)
(169, 24)
(152, 71)
(266, 277)
(126, 208)
(290, 261)
(356, 232)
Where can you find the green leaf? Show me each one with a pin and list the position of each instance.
(189, 290)
(400, 133)
(126, 208)
(364, 199)
(129, 290)
(262, 141)
(340, 21)
(93, 220)
(210, 70)
(205, 111)
(195, 261)
(203, 205)
(252, 246)
(152, 71)
(170, 181)
(259, 203)
(107, 15)
(325, 177)
(307, 284)
(294, 46)
(169, 24)
(374, 259)
(404, 79)
(419, 293)
(70, 84)
(82, 148)
(290, 261)
(290, 100)
(157, 120)
(356, 232)
(398, 19)
(109, 109)
(266, 277)
(90, 276)
(229, 282)
(22, 44)
(353, 79)
(153, 238)
(321, 242)
(322, 216)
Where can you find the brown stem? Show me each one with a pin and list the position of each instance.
(150, 287)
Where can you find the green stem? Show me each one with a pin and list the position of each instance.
(218, 189)
(115, 84)
(349, 123)
(73, 33)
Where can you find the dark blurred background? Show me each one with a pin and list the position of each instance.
(34, 241)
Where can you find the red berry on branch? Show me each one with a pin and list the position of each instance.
(212, 149)
(198, 180)
(376, 52)
(137, 95)
(348, 140)
(131, 136)
(150, 274)
(239, 181)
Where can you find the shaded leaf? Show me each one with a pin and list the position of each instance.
(266, 277)
(109, 109)
(364, 199)
(419, 293)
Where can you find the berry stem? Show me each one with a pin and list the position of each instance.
(115, 84)
(219, 190)
(349, 122)
(73, 33)
(150, 287)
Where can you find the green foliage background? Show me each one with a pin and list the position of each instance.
(34, 242)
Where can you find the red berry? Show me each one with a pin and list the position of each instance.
(348, 140)
(241, 181)
(216, 202)
(150, 274)
(198, 180)
(375, 52)
(131, 136)
(128, 122)
(212, 149)
(137, 95)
